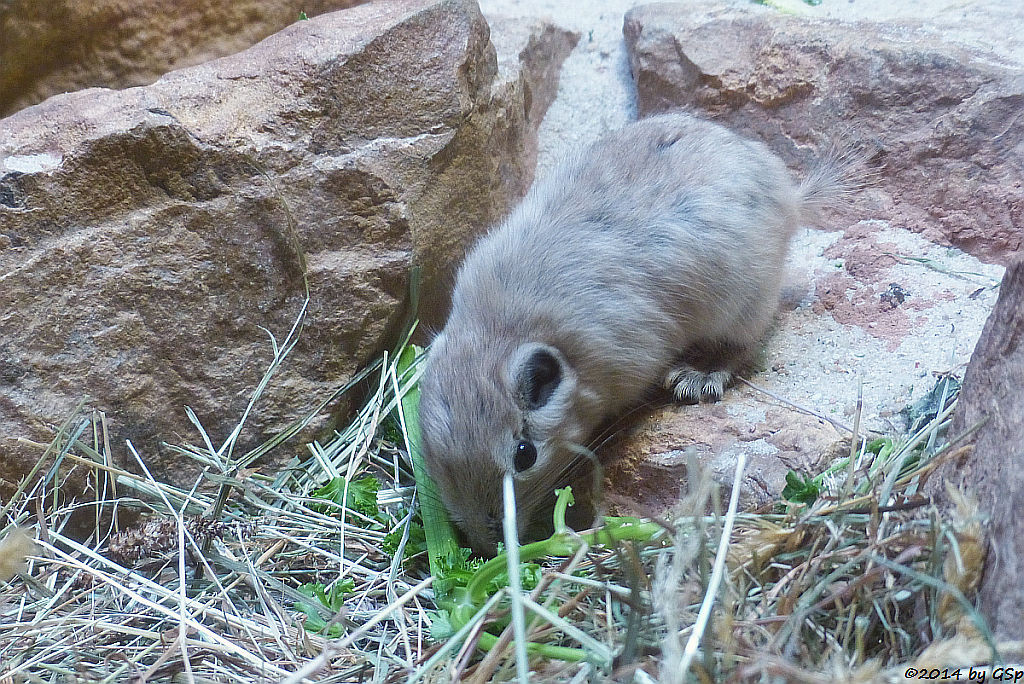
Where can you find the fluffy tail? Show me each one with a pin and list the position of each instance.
(835, 179)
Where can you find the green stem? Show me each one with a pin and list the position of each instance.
(573, 655)
(615, 530)
(564, 542)
(622, 529)
(437, 528)
(562, 503)
(556, 545)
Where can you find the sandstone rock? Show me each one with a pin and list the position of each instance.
(943, 117)
(145, 234)
(994, 471)
(538, 49)
(64, 45)
(650, 466)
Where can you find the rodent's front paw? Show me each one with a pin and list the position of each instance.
(690, 385)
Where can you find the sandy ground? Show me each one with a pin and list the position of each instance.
(816, 358)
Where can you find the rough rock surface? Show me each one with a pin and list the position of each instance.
(145, 234)
(994, 471)
(945, 119)
(650, 466)
(64, 45)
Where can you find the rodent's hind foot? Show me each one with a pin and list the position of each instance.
(690, 385)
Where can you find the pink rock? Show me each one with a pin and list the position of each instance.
(943, 118)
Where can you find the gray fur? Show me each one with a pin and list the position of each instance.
(667, 234)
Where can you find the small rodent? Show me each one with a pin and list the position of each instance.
(653, 257)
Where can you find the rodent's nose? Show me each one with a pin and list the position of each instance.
(493, 524)
(495, 533)
(488, 534)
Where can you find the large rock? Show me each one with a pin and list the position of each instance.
(993, 396)
(650, 467)
(864, 308)
(943, 117)
(148, 235)
(63, 45)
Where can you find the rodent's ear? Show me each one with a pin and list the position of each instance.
(537, 372)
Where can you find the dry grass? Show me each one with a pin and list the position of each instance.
(850, 587)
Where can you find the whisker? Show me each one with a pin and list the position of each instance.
(612, 429)
(585, 459)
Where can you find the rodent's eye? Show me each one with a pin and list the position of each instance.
(525, 456)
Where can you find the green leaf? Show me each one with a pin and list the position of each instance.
(361, 496)
(877, 445)
(438, 530)
(441, 626)
(799, 490)
(332, 599)
(417, 542)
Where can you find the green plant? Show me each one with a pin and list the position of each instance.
(331, 598)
